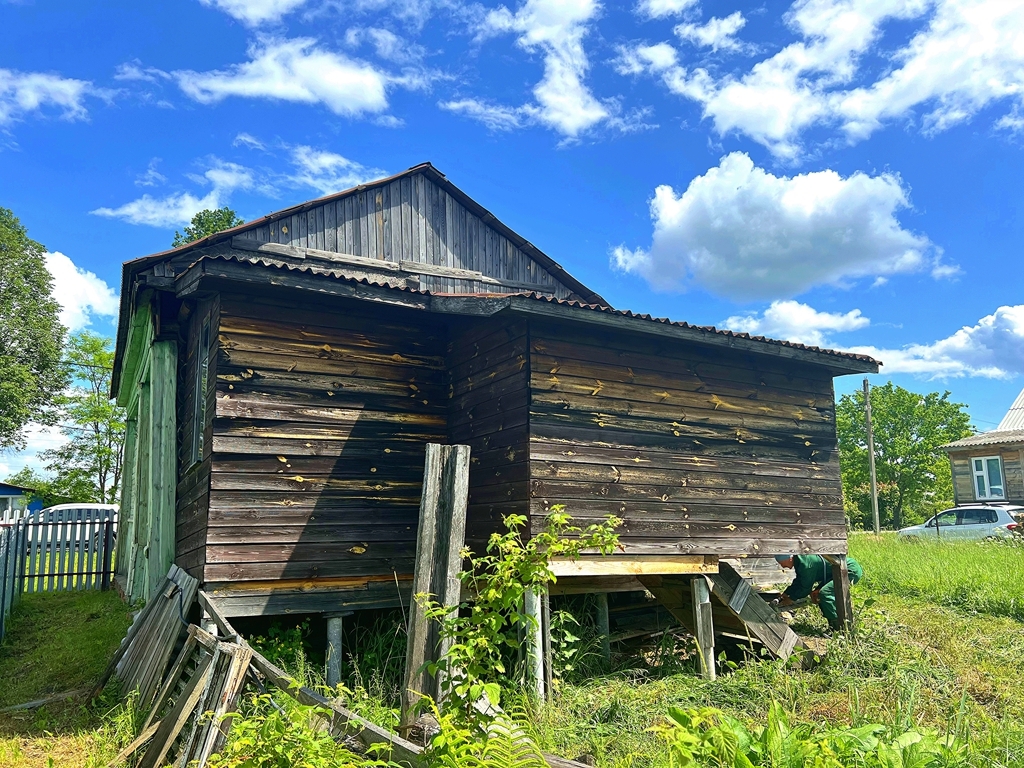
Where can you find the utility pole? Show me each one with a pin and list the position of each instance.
(871, 455)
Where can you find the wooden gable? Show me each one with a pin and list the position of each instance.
(416, 223)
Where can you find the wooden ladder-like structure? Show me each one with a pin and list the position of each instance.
(727, 602)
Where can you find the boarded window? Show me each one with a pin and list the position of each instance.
(202, 376)
(988, 477)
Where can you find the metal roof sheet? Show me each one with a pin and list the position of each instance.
(995, 437)
(339, 274)
(1014, 418)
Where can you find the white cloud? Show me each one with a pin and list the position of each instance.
(255, 12)
(249, 141)
(297, 70)
(642, 58)
(717, 34)
(992, 348)
(178, 209)
(152, 177)
(329, 172)
(966, 55)
(793, 321)
(386, 44)
(37, 440)
(80, 293)
(25, 93)
(496, 117)
(563, 101)
(742, 233)
(659, 9)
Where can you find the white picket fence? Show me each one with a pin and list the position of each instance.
(60, 548)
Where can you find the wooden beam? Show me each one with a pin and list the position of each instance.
(841, 580)
(441, 535)
(634, 565)
(703, 626)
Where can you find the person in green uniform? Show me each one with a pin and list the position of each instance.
(814, 580)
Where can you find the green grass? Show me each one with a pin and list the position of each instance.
(59, 642)
(984, 577)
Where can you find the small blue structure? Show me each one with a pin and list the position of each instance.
(15, 501)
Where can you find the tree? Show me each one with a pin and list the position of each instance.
(208, 222)
(913, 475)
(87, 468)
(31, 336)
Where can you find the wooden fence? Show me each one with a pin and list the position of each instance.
(69, 547)
(12, 561)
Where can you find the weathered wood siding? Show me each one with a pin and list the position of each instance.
(322, 413)
(410, 219)
(699, 451)
(489, 373)
(193, 490)
(963, 476)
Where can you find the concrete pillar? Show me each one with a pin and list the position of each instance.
(534, 646)
(604, 626)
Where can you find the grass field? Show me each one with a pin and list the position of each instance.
(939, 644)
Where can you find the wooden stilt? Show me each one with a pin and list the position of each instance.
(534, 647)
(702, 622)
(844, 602)
(604, 626)
(334, 625)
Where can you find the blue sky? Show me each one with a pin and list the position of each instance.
(838, 172)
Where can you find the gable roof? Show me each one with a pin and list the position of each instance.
(1008, 432)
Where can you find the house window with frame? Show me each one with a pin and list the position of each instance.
(202, 377)
(988, 477)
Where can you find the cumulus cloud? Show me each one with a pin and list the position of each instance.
(37, 440)
(562, 99)
(718, 34)
(793, 321)
(742, 233)
(178, 208)
(297, 70)
(993, 348)
(81, 294)
(255, 12)
(659, 9)
(27, 93)
(965, 56)
(329, 172)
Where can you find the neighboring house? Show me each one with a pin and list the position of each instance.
(990, 466)
(282, 379)
(15, 501)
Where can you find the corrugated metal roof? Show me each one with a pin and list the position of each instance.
(995, 437)
(339, 274)
(1014, 418)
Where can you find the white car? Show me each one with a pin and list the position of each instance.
(973, 522)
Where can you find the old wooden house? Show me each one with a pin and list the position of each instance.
(989, 467)
(283, 377)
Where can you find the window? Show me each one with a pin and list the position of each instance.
(945, 518)
(988, 477)
(977, 517)
(202, 377)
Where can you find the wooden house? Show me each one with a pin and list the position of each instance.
(989, 467)
(282, 379)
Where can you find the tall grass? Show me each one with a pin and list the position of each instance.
(984, 577)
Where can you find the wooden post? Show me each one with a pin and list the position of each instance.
(163, 461)
(604, 627)
(107, 552)
(871, 456)
(844, 602)
(545, 636)
(704, 626)
(439, 541)
(534, 646)
(334, 624)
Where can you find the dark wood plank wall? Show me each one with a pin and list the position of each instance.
(489, 390)
(963, 476)
(411, 219)
(193, 490)
(322, 413)
(699, 451)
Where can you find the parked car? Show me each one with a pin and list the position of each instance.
(974, 522)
